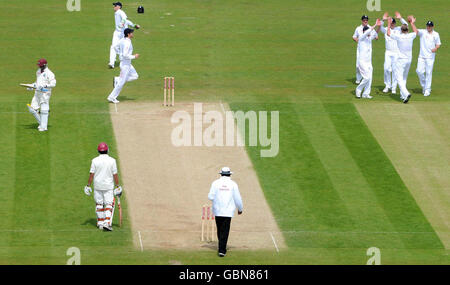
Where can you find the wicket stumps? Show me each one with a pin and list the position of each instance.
(208, 218)
(169, 89)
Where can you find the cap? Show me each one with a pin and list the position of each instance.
(430, 23)
(42, 62)
(225, 171)
(365, 17)
(393, 21)
(117, 4)
(102, 147)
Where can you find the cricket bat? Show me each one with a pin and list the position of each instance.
(27, 85)
(120, 211)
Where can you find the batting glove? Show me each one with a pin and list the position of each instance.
(118, 191)
(87, 190)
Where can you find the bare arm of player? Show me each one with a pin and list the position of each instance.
(412, 20)
(116, 179)
(436, 48)
(91, 177)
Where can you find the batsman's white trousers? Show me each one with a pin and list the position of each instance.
(127, 73)
(401, 72)
(358, 74)
(114, 49)
(425, 72)
(41, 101)
(366, 71)
(390, 59)
(104, 201)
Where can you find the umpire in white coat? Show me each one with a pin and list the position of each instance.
(225, 196)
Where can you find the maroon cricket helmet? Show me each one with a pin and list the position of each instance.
(42, 62)
(102, 147)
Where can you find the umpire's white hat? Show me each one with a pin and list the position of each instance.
(225, 171)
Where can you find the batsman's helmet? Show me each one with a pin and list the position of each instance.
(102, 147)
(42, 62)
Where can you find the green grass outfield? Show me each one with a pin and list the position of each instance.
(333, 190)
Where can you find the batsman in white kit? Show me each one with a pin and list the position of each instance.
(364, 63)
(103, 173)
(356, 34)
(121, 23)
(404, 44)
(430, 42)
(40, 104)
(127, 71)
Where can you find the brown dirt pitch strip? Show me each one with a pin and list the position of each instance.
(166, 186)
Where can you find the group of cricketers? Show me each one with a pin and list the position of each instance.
(398, 56)
(103, 174)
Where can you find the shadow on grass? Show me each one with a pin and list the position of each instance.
(91, 221)
(33, 126)
(125, 98)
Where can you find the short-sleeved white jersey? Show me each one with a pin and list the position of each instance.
(103, 167)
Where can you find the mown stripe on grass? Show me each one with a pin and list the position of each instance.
(369, 218)
(391, 193)
(32, 179)
(297, 185)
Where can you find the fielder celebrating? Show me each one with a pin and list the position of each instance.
(365, 59)
(127, 71)
(121, 23)
(40, 104)
(405, 44)
(390, 55)
(104, 175)
(356, 34)
(429, 44)
(224, 194)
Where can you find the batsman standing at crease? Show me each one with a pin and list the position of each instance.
(104, 174)
(40, 105)
(225, 197)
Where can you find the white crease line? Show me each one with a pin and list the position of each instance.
(274, 242)
(115, 106)
(140, 240)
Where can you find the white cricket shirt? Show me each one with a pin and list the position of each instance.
(126, 51)
(103, 167)
(120, 19)
(404, 44)
(391, 44)
(45, 79)
(428, 41)
(365, 45)
(224, 194)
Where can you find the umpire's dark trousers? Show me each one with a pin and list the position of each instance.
(223, 229)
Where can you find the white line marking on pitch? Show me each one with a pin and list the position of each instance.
(140, 240)
(274, 242)
(115, 106)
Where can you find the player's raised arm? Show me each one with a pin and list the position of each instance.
(389, 26)
(412, 20)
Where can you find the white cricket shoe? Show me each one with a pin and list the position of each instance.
(358, 81)
(358, 94)
(367, 97)
(115, 101)
(100, 226)
(426, 94)
(107, 228)
(386, 89)
(41, 129)
(393, 91)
